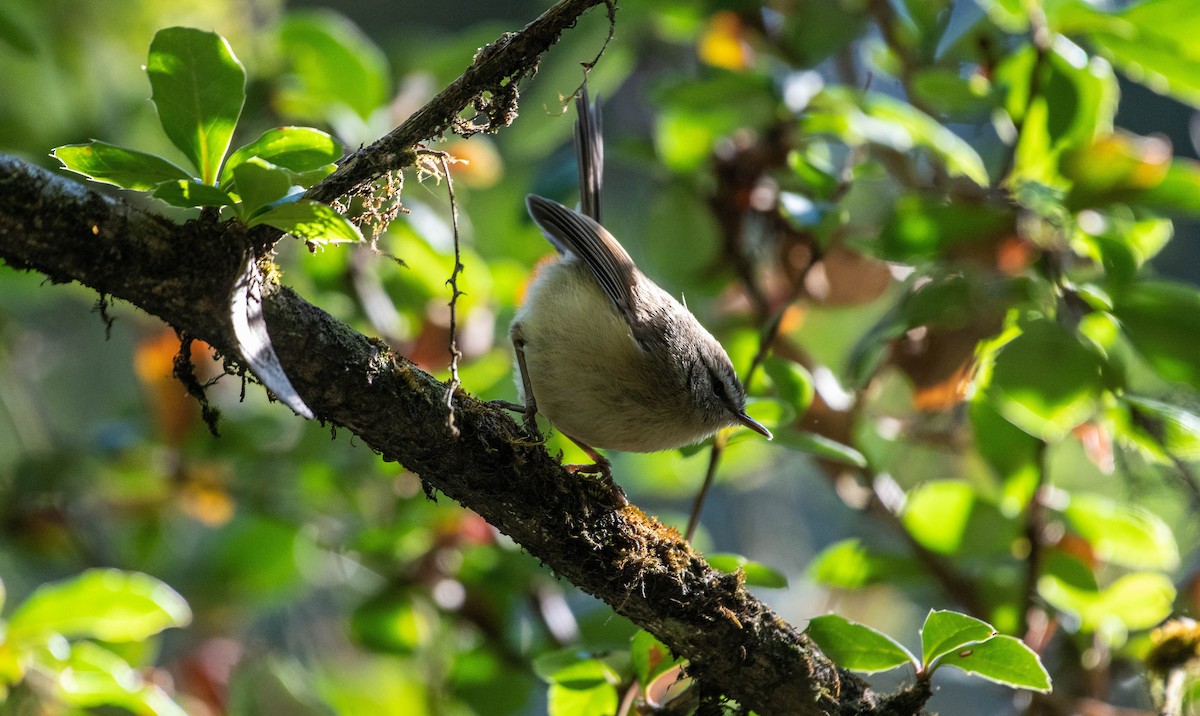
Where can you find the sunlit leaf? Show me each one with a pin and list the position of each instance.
(927, 228)
(1123, 534)
(1154, 42)
(95, 677)
(110, 164)
(310, 221)
(1011, 452)
(872, 118)
(857, 647)
(1162, 320)
(199, 87)
(792, 382)
(1045, 381)
(1003, 659)
(189, 193)
(945, 631)
(936, 514)
(1134, 601)
(849, 564)
(335, 67)
(104, 604)
(259, 183)
(300, 150)
(1174, 428)
(819, 446)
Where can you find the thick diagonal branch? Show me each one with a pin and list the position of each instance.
(645, 571)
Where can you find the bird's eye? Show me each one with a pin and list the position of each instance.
(718, 386)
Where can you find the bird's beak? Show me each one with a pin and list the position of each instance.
(754, 425)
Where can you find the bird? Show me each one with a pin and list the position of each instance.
(606, 355)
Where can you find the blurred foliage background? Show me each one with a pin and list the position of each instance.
(953, 221)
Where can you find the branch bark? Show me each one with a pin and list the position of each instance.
(184, 273)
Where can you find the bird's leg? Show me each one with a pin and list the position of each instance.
(530, 408)
(600, 467)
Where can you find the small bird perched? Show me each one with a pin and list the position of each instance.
(611, 359)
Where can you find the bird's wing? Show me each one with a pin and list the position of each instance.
(580, 236)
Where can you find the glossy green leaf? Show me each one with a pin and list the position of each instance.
(689, 123)
(94, 677)
(792, 382)
(946, 631)
(937, 513)
(1162, 320)
(104, 604)
(259, 183)
(1178, 193)
(310, 221)
(335, 67)
(189, 193)
(650, 657)
(1134, 601)
(1003, 659)
(1045, 381)
(818, 446)
(849, 564)
(1012, 453)
(300, 150)
(756, 573)
(1170, 426)
(1154, 42)
(110, 164)
(857, 647)
(595, 699)
(1123, 534)
(871, 118)
(198, 88)
(956, 97)
(927, 228)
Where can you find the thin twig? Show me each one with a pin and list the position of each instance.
(452, 282)
(710, 475)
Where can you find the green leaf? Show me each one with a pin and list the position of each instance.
(1178, 193)
(335, 68)
(1003, 659)
(857, 647)
(1045, 381)
(198, 88)
(792, 382)
(650, 657)
(1012, 453)
(189, 193)
(94, 676)
(1170, 426)
(1123, 534)
(871, 118)
(110, 164)
(310, 221)
(259, 183)
(818, 446)
(1134, 601)
(849, 564)
(757, 574)
(598, 699)
(936, 514)
(928, 228)
(104, 604)
(1162, 319)
(945, 631)
(301, 150)
(1154, 43)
